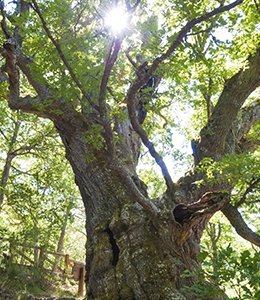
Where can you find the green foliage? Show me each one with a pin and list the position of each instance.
(40, 199)
(238, 170)
(203, 291)
(229, 261)
(237, 273)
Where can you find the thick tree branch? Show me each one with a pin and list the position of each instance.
(209, 203)
(195, 216)
(110, 61)
(49, 109)
(236, 140)
(10, 68)
(24, 63)
(236, 91)
(236, 220)
(246, 118)
(148, 205)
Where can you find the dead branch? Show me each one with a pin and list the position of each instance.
(207, 205)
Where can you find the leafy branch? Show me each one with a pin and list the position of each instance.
(254, 183)
(14, 56)
(140, 81)
(62, 56)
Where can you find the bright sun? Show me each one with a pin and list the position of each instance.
(117, 20)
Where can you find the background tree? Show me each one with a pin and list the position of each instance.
(65, 63)
(39, 200)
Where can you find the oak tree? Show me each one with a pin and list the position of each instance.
(110, 92)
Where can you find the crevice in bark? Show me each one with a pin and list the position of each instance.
(115, 248)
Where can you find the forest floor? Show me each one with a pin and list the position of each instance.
(22, 284)
(63, 293)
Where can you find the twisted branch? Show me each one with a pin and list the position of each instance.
(140, 81)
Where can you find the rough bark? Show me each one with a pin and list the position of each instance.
(218, 137)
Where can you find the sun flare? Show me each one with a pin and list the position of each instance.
(117, 20)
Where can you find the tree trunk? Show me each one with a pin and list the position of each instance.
(61, 239)
(130, 254)
(8, 162)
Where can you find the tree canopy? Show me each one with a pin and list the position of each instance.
(123, 97)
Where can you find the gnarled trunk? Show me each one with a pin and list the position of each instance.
(130, 253)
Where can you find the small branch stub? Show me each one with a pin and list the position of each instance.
(194, 217)
(209, 203)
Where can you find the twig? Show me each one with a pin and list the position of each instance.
(252, 185)
(133, 63)
(78, 17)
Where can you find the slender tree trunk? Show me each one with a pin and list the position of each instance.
(62, 234)
(61, 239)
(8, 162)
